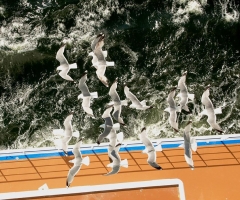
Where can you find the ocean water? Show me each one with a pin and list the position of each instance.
(151, 42)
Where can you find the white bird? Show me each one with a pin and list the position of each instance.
(100, 54)
(116, 102)
(86, 95)
(113, 153)
(107, 126)
(78, 161)
(149, 149)
(172, 109)
(209, 110)
(135, 102)
(93, 46)
(184, 95)
(189, 143)
(101, 63)
(68, 133)
(64, 65)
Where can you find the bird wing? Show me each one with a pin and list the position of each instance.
(60, 57)
(83, 86)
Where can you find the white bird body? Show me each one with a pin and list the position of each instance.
(172, 109)
(116, 103)
(184, 95)
(113, 153)
(78, 161)
(189, 143)
(86, 96)
(107, 125)
(135, 102)
(64, 65)
(210, 112)
(149, 149)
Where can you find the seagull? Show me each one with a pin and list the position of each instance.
(172, 109)
(149, 149)
(184, 95)
(64, 65)
(107, 126)
(209, 110)
(78, 161)
(101, 62)
(113, 153)
(135, 102)
(116, 102)
(100, 54)
(189, 143)
(86, 95)
(68, 133)
(93, 46)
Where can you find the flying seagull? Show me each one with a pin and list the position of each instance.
(68, 133)
(107, 125)
(184, 95)
(210, 111)
(113, 153)
(189, 143)
(78, 161)
(64, 65)
(116, 102)
(135, 102)
(86, 95)
(149, 149)
(172, 109)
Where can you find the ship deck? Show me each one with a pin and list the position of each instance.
(216, 174)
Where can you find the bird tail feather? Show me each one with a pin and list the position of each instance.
(73, 66)
(86, 161)
(124, 163)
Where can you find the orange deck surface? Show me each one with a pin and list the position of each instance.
(156, 193)
(216, 175)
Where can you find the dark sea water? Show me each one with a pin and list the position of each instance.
(151, 42)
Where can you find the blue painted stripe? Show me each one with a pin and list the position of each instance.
(49, 153)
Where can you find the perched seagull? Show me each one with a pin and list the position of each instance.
(64, 65)
(149, 149)
(135, 102)
(86, 95)
(184, 95)
(172, 109)
(116, 102)
(68, 133)
(78, 161)
(209, 110)
(189, 143)
(113, 153)
(107, 126)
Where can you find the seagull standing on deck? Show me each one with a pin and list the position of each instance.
(86, 95)
(149, 149)
(210, 111)
(78, 161)
(64, 65)
(184, 95)
(172, 109)
(117, 103)
(135, 102)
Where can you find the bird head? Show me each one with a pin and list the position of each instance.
(143, 129)
(189, 122)
(207, 87)
(184, 73)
